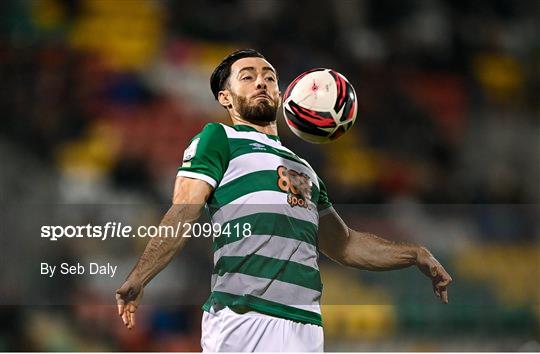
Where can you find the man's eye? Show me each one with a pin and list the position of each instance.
(270, 78)
(246, 78)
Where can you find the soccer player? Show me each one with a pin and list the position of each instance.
(266, 285)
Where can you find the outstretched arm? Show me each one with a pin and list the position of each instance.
(369, 252)
(189, 198)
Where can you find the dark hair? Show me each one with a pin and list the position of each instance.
(223, 70)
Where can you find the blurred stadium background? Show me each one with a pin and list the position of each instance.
(100, 97)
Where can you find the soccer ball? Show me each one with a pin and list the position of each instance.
(320, 105)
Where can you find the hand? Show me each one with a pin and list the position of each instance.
(128, 298)
(433, 269)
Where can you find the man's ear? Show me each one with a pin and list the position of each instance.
(280, 99)
(225, 98)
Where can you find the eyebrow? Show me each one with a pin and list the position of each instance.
(265, 68)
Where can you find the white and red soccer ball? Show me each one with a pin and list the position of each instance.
(320, 105)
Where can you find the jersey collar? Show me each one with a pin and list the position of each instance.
(247, 128)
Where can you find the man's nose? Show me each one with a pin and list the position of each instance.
(261, 84)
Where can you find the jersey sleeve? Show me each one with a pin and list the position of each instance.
(323, 204)
(207, 155)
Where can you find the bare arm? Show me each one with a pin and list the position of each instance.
(189, 198)
(369, 252)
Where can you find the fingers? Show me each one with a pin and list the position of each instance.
(125, 318)
(441, 285)
(444, 296)
(120, 304)
(441, 293)
(128, 316)
(131, 320)
(431, 267)
(126, 311)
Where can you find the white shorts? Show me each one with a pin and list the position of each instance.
(228, 331)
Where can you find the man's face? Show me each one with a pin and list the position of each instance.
(254, 89)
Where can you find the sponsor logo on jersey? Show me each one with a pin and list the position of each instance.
(297, 185)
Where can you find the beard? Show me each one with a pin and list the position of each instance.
(258, 112)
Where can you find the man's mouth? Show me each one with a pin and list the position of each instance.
(265, 100)
(263, 96)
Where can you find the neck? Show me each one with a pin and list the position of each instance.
(262, 127)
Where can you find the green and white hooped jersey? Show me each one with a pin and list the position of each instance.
(263, 187)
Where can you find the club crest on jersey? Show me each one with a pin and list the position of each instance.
(297, 185)
(191, 150)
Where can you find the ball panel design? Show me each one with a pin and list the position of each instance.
(320, 105)
(316, 91)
